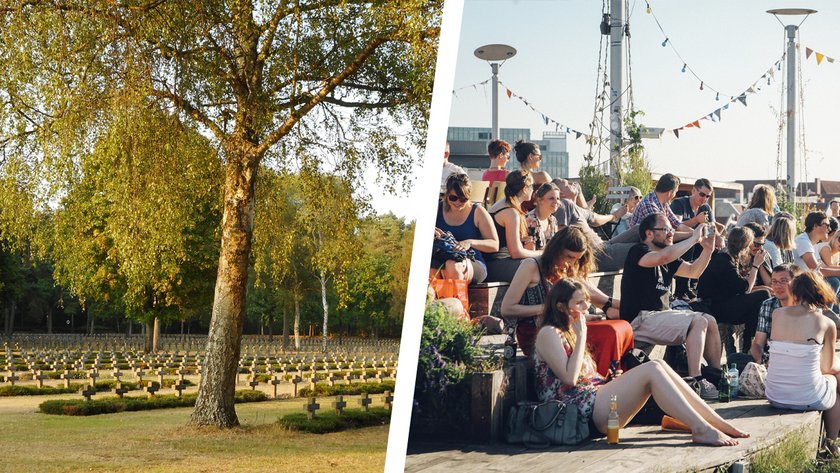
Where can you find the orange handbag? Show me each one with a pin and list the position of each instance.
(456, 288)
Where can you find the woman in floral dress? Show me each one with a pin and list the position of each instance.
(566, 372)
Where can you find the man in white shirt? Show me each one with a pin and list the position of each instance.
(816, 230)
(449, 168)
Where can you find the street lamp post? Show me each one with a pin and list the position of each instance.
(493, 53)
(791, 93)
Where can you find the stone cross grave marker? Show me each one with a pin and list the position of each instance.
(151, 389)
(67, 377)
(88, 392)
(295, 381)
(40, 377)
(311, 407)
(120, 389)
(11, 378)
(92, 376)
(389, 399)
(339, 404)
(274, 382)
(365, 401)
(180, 386)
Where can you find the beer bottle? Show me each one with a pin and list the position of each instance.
(724, 388)
(612, 421)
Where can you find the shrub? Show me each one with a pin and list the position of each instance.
(80, 407)
(448, 352)
(348, 389)
(327, 422)
(7, 391)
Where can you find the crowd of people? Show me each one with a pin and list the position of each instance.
(687, 282)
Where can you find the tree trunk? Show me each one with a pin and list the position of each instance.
(326, 306)
(214, 405)
(148, 333)
(90, 320)
(297, 322)
(270, 326)
(49, 320)
(10, 328)
(285, 327)
(156, 336)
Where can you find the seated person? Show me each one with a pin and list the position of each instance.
(509, 221)
(631, 202)
(829, 258)
(499, 151)
(804, 371)
(658, 201)
(779, 241)
(471, 226)
(816, 230)
(765, 268)
(646, 288)
(761, 207)
(780, 281)
(529, 156)
(565, 372)
(730, 294)
(694, 210)
(567, 255)
(449, 168)
(540, 221)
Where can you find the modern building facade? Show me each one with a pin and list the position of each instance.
(468, 148)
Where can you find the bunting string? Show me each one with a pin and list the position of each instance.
(820, 57)
(558, 126)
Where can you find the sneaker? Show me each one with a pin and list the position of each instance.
(708, 391)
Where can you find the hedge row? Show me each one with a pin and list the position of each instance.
(348, 389)
(324, 423)
(77, 407)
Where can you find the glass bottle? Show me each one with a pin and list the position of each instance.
(733, 381)
(612, 421)
(724, 388)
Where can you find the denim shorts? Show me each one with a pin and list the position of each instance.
(822, 405)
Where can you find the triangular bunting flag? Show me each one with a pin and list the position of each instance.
(743, 99)
(509, 93)
(577, 134)
(751, 90)
(726, 107)
(717, 113)
(772, 72)
(819, 58)
(546, 120)
(808, 52)
(689, 125)
(830, 59)
(696, 123)
(677, 132)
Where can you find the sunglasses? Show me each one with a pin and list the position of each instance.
(704, 195)
(455, 198)
(667, 230)
(637, 197)
(758, 244)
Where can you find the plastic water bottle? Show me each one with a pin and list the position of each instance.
(612, 421)
(733, 380)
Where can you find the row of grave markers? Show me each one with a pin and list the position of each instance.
(311, 406)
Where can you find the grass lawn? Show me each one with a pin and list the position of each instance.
(159, 440)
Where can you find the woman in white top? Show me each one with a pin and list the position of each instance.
(779, 240)
(803, 372)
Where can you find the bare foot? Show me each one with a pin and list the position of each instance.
(712, 436)
(732, 431)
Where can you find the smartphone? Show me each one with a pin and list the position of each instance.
(709, 230)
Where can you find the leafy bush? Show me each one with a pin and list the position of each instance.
(327, 422)
(448, 351)
(7, 391)
(80, 407)
(348, 389)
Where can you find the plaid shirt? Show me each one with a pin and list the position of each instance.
(765, 314)
(651, 205)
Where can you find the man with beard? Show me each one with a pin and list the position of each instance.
(646, 292)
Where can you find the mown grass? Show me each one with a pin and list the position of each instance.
(161, 441)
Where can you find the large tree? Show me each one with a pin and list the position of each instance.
(260, 77)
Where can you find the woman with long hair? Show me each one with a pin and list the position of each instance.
(566, 372)
(567, 255)
(540, 221)
(804, 371)
(779, 241)
(730, 294)
(509, 220)
(761, 206)
(471, 226)
(529, 156)
(828, 253)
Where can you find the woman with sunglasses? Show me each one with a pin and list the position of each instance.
(765, 268)
(761, 207)
(567, 255)
(470, 224)
(529, 157)
(566, 372)
(509, 219)
(540, 221)
(631, 202)
(729, 293)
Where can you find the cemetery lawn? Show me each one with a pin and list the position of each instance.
(160, 441)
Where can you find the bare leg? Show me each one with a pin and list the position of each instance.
(695, 342)
(701, 407)
(712, 347)
(457, 270)
(832, 422)
(633, 389)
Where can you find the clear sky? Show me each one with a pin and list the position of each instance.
(728, 44)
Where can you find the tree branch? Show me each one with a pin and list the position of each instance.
(190, 110)
(329, 86)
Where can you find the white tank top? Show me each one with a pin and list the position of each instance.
(794, 376)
